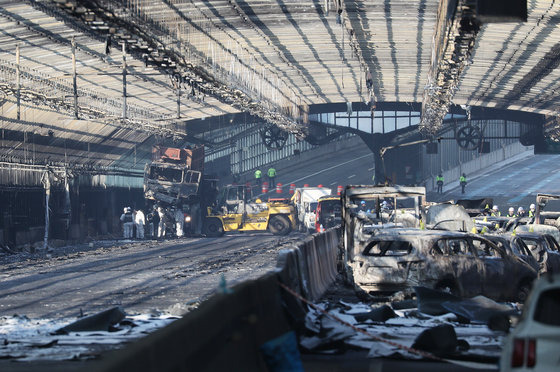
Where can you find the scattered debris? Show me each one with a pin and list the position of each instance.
(102, 321)
(440, 340)
(25, 339)
(443, 334)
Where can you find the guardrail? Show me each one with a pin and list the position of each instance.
(227, 332)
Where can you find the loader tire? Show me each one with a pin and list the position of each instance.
(279, 225)
(213, 227)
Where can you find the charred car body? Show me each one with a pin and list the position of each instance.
(544, 249)
(387, 248)
(514, 246)
(466, 264)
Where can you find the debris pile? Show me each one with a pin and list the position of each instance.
(440, 324)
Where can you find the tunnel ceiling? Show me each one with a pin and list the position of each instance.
(273, 59)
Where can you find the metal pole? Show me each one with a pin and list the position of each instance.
(124, 78)
(47, 185)
(18, 84)
(178, 100)
(74, 78)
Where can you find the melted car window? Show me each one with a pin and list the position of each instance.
(484, 249)
(453, 246)
(388, 248)
(552, 243)
(548, 307)
(531, 244)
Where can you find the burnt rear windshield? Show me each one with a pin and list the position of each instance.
(548, 307)
(388, 248)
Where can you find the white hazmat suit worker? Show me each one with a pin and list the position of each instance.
(179, 222)
(139, 221)
(161, 226)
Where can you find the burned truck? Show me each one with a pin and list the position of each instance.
(175, 179)
(367, 208)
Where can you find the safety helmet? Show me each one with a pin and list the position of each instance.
(511, 209)
(128, 209)
(124, 209)
(495, 207)
(532, 206)
(363, 202)
(520, 209)
(258, 200)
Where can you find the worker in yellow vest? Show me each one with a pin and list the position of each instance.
(463, 182)
(258, 177)
(272, 176)
(439, 182)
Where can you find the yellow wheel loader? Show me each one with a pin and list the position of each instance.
(236, 211)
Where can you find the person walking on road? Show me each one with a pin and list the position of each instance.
(439, 182)
(258, 177)
(463, 182)
(272, 176)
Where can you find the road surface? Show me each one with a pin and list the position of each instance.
(139, 276)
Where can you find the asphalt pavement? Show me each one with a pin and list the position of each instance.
(142, 276)
(510, 184)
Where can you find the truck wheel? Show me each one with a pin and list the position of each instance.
(279, 225)
(213, 227)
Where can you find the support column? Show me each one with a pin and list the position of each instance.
(374, 142)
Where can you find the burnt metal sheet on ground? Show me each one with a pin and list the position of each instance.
(328, 336)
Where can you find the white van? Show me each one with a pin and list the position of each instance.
(305, 201)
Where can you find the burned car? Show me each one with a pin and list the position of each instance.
(498, 224)
(466, 264)
(515, 246)
(544, 249)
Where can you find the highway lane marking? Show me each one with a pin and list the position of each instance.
(535, 187)
(351, 176)
(370, 169)
(334, 183)
(501, 180)
(329, 168)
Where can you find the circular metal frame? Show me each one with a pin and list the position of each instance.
(469, 137)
